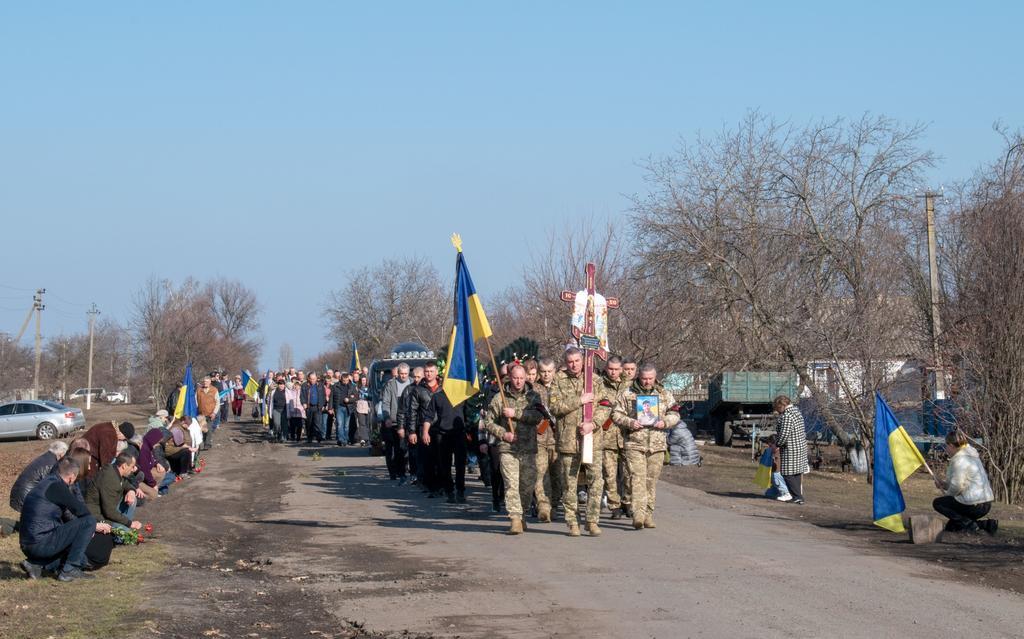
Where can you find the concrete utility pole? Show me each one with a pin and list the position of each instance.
(939, 387)
(38, 306)
(92, 313)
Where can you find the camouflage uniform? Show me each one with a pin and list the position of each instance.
(565, 406)
(518, 459)
(645, 448)
(547, 459)
(612, 443)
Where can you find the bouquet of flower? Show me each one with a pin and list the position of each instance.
(127, 537)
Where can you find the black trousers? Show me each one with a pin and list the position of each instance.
(295, 426)
(497, 480)
(313, 423)
(794, 483)
(180, 461)
(450, 448)
(961, 516)
(394, 456)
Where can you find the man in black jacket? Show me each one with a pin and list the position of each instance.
(45, 538)
(447, 427)
(314, 399)
(37, 469)
(419, 406)
(343, 400)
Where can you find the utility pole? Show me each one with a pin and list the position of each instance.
(92, 313)
(38, 306)
(939, 387)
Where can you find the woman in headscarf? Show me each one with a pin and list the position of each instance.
(103, 441)
(149, 462)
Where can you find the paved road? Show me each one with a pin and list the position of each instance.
(388, 557)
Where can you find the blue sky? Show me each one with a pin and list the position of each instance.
(285, 143)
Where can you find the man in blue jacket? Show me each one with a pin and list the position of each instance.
(47, 541)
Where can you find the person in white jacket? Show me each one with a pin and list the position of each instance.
(968, 495)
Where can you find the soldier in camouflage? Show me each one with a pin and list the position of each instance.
(567, 400)
(612, 439)
(548, 483)
(629, 366)
(646, 440)
(517, 447)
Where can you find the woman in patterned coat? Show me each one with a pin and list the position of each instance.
(792, 443)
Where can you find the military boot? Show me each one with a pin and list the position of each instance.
(523, 522)
(574, 530)
(544, 515)
(649, 522)
(593, 530)
(516, 527)
(638, 524)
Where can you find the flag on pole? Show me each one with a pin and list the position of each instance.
(249, 385)
(763, 476)
(896, 458)
(354, 365)
(469, 324)
(186, 406)
(267, 393)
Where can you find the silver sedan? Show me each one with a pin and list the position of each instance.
(42, 419)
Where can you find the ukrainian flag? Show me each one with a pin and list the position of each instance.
(470, 324)
(896, 458)
(249, 385)
(354, 365)
(763, 477)
(187, 406)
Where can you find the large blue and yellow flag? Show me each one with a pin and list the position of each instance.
(186, 406)
(763, 476)
(896, 458)
(470, 324)
(249, 385)
(354, 365)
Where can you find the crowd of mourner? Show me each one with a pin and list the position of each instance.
(543, 439)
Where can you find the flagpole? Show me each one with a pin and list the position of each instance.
(501, 385)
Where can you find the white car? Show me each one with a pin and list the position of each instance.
(115, 397)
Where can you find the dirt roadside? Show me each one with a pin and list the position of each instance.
(841, 502)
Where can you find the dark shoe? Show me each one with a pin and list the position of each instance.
(617, 513)
(461, 498)
(32, 571)
(989, 525)
(431, 494)
(798, 500)
(496, 507)
(71, 573)
(450, 499)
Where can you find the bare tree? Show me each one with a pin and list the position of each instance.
(984, 340)
(395, 301)
(784, 246)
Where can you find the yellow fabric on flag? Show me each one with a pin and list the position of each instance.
(892, 522)
(481, 327)
(179, 408)
(906, 458)
(763, 477)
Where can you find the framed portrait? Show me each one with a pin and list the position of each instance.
(647, 410)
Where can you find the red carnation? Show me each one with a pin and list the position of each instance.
(148, 528)
(142, 539)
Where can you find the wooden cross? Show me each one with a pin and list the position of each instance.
(590, 343)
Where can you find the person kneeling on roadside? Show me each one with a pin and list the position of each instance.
(968, 495)
(48, 542)
(111, 498)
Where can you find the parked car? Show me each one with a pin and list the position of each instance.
(97, 394)
(115, 397)
(38, 418)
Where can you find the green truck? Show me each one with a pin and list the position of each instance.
(741, 402)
